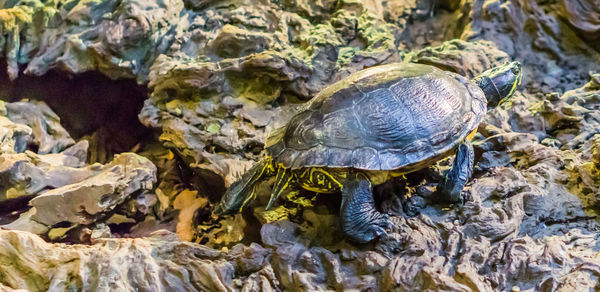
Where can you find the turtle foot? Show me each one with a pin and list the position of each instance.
(451, 188)
(367, 227)
(360, 221)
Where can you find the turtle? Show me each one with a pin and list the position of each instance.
(376, 124)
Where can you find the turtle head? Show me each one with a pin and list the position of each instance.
(500, 83)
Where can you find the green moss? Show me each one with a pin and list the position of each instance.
(345, 55)
(174, 107)
(59, 233)
(376, 40)
(213, 127)
(260, 89)
(537, 108)
(323, 34)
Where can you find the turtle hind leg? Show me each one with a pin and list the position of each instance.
(360, 221)
(455, 179)
(241, 192)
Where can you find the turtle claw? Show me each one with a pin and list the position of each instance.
(367, 227)
(382, 227)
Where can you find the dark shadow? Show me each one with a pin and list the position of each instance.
(11, 209)
(88, 104)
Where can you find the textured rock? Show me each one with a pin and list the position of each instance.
(82, 195)
(465, 58)
(27, 173)
(13, 136)
(223, 74)
(60, 187)
(31, 125)
(157, 264)
(48, 136)
(584, 16)
(539, 34)
(84, 201)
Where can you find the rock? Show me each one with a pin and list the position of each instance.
(249, 259)
(48, 135)
(222, 75)
(584, 16)
(279, 233)
(27, 174)
(84, 201)
(25, 223)
(373, 262)
(321, 227)
(14, 136)
(536, 34)
(62, 189)
(466, 58)
(142, 204)
(187, 202)
(112, 259)
(99, 231)
(491, 159)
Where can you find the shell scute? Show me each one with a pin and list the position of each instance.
(365, 158)
(387, 117)
(342, 129)
(339, 157)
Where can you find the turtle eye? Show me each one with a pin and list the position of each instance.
(516, 68)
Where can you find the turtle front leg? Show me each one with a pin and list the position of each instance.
(455, 179)
(360, 221)
(282, 181)
(241, 192)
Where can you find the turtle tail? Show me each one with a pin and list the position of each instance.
(241, 192)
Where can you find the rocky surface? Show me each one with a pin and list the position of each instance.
(63, 191)
(221, 75)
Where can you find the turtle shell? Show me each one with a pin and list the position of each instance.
(388, 117)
